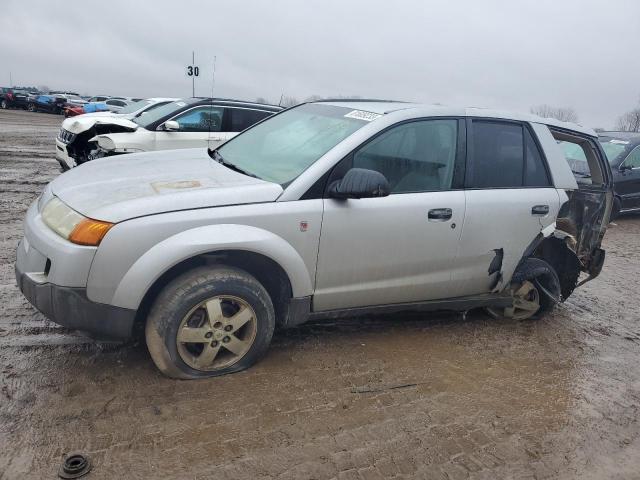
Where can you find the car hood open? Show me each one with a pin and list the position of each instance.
(82, 123)
(114, 189)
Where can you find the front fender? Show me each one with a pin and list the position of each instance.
(208, 239)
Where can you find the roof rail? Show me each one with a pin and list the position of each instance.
(364, 100)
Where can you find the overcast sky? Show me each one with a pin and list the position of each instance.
(487, 53)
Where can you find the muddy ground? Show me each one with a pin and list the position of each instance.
(405, 396)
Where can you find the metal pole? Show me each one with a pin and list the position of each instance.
(193, 77)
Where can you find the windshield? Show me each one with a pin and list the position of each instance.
(614, 148)
(161, 112)
(134, 107)
(282, 147)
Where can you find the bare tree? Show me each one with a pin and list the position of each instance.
(43, 89)
(564, 114)
(629, 122)
(313, 98)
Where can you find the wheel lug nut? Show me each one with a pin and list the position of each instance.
(226, 339)
(214, 343)
(208, 335)
(228, 328)
(217, 325)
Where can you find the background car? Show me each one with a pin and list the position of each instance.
(623, 153)
(13, 98)
(49, 103)
(186, 123)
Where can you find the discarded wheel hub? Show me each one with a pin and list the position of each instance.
(75, 465)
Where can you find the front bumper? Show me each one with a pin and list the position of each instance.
(70, 307)
(52, 273)
(62, 156)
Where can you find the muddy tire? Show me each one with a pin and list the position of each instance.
(536, 292)
(208, 322)
(31, 107)
(4, 105)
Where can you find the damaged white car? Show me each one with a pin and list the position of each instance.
(168, 125)
(326, 210)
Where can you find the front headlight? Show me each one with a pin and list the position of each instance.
(73, 226)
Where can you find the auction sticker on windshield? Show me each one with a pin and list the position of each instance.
(363, 115)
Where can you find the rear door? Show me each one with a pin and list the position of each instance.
(197, 126)
(509, 200)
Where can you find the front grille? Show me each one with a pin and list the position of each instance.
(65, 136)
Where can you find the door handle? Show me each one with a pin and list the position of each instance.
(440, 214)
(540, 210)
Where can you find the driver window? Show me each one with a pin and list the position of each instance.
(414, 157)
(201, 119)
(633, 159)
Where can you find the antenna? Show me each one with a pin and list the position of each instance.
(213, 83)
(281, 97)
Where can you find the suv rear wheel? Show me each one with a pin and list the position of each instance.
(208, 322)
(3, 104)
(533, 296)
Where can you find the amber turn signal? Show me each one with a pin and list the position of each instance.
(89, 232)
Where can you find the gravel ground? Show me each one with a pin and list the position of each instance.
(405, 396)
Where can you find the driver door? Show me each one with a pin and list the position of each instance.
(196, 127)
(399, 248)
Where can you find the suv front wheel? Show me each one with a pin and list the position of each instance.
(210, 321)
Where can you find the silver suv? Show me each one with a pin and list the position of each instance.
(328, 209)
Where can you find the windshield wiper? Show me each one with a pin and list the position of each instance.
(218, 158)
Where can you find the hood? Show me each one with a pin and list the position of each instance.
(118, 188)
(82, 123)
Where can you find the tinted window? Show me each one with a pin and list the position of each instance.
(117, 103)
(201, 119)
(414, 157)
(497, 151)
(535, 173)
(242, 118)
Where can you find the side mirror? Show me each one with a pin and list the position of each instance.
(623, 168)
(360, 183)
(171, 126)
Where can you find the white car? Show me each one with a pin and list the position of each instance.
(187, 123)
(129, 111)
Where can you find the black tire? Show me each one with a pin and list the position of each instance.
(544, 279)
(187, 291)
(4, 105)
(31, 107)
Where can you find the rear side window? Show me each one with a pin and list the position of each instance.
(633, 160)
(497, 155)
(535, 173)
(242, 119)
(504, 155)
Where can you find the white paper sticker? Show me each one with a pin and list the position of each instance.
(619, 142)
(363, 115)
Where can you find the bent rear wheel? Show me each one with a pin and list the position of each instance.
(526, 303)
(208, 322)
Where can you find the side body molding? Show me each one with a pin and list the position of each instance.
(209, 239)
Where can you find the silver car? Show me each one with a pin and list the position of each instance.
(329, 209)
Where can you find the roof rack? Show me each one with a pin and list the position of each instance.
(364, 100)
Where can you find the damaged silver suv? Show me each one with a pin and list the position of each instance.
(325, 210)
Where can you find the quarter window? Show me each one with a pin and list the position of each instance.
(414, 157)
(201, 119)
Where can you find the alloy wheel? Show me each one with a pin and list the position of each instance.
(216, 333)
